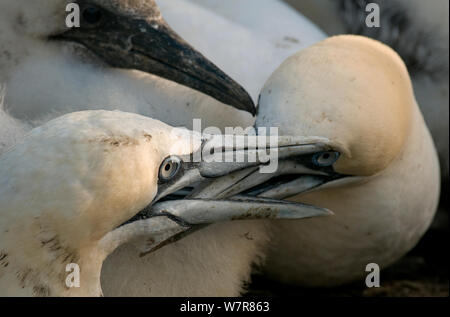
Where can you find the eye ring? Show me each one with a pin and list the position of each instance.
(92, 15)
(169, 168)
(324, 159)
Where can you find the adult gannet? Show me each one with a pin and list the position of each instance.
(124, 56)
(384, 172)
(79, 186)
(380, 177)
(418, 31)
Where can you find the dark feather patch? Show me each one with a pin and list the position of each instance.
(418, 45)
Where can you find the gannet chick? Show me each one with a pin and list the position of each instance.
(124, 56)
(83, 184)
(356, 92)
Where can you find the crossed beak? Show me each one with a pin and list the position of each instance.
(209, 191)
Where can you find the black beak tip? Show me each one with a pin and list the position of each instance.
(248, 105)
(239, 98)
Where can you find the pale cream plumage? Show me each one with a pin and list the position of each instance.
(238, 256)
(358, 93)
(65, 186)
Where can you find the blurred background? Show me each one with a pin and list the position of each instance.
(419, 31)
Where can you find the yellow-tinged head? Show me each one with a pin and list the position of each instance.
(350, 89)
(84, 174)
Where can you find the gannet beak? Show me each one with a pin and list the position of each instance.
(221, 164)
(153, 47)
(207, 191)
(190, 212)
(302, 167)
(182, 217)
(197, 195)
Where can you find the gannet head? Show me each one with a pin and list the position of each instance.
(120, 34)
(383, 174)
(350, 89)
(79, 186)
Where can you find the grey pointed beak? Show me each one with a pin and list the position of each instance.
(188, 215)
(153, 47)
(298, 171)
(169, 221)
(208, 191)
(221, 164)
(206, 211)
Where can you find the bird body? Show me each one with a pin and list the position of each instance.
(78, 187)
(358, 93)
(54, 202)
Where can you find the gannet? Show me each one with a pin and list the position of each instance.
(124, 56)
(242, 50)
(83, 184)
(418, 31)
(384, 173)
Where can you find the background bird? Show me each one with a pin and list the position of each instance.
(64, 70)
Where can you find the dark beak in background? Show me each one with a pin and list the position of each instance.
(152, 46)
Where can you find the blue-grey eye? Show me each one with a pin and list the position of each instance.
(324, 159)
(169, 168)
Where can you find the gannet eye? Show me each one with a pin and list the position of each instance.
(169, 168)
(92, 15)
(324, 159)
